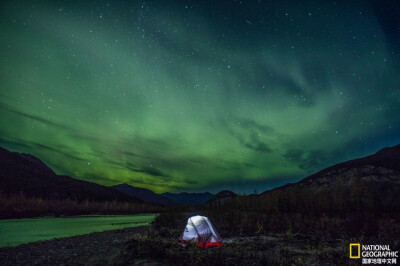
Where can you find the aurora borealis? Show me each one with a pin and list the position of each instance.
(198, 95)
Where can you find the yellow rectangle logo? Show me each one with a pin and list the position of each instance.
(356, 253)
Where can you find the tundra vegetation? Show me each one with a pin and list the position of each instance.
(282, 227)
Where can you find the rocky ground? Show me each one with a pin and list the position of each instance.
(142, 246)
(273, 249)
(92, 249)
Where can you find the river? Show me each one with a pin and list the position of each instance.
(14, 232)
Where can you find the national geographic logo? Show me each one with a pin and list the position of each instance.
(355, 251)
(373, 254)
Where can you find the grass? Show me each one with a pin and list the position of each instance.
(161, 245)
(289, 239)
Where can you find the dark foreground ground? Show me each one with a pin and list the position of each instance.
(91, 249)
(256, 250)
(158, 245)
(141, 246)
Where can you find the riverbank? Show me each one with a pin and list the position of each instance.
(15, 232)
(18, 206)
(92, 249)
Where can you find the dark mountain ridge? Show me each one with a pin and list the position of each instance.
(221, 197)
(380, 168)
(186, 198)
(24, 173)
(144, 194)
(371, 183)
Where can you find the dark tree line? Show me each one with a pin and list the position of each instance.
(359, 209)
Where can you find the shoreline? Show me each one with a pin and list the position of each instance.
(76, 216)
(72, 215)
(88, 249)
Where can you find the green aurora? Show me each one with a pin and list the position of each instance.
(198, 95)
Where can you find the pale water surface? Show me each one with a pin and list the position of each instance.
(19, 231)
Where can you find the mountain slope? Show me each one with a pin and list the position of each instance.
(380, 168)
(142, 193)
(371, 183)
(27, 174)
(186, 198)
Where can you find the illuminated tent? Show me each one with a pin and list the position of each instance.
(200, 231)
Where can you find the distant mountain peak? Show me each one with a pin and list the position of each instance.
(221, 197)
(188, 198)
(143, 193)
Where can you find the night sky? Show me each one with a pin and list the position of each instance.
(198, 95)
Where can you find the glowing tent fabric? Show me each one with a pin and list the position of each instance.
(200, 231)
